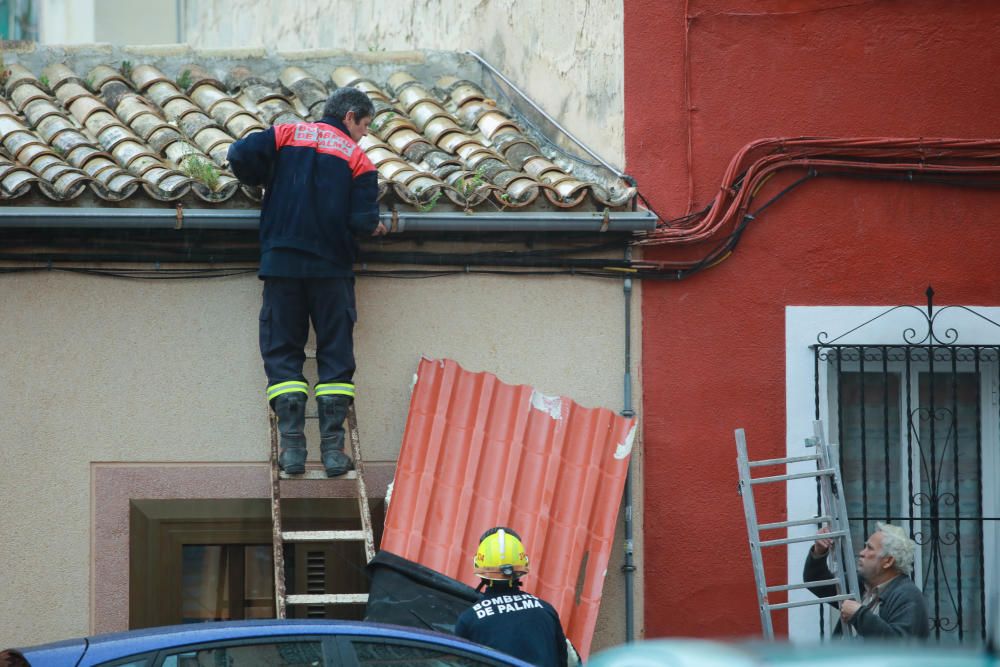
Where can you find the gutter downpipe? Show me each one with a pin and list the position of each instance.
(628, 567)
(234, 219)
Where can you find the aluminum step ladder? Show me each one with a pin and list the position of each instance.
(280, 536)
(833, 515)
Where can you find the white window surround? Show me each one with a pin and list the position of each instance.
(802, 324)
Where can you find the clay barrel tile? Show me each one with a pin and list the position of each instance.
(10, 124)
(58, 74)
(424, 112)
(71, 91)
(28, 92)
(17, 75)
(345, 76)
(68, 141)
(494, 122)
(412, 95)
(102, 75)
(439, 127)
(211, 138)
(16, 140)
(207, 95)
(416, 151)
(223, 110)
(309, 90)
(243, 124)
(146, 124)
(401, 140)
(132, 106)
(163, 92)
(100, 118)
(14, 181)
(112, 135)
(32, 151)
(162, 137)
(143, 76)
(464, 92)
(391, 168)
(82, 153)
(180, 151)
(399, 80)
(520, 192)
(197, 76)
(379, 155)
(83, 108)
(453, 141)
(179, 106)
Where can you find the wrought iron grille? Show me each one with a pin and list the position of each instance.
(917, 427)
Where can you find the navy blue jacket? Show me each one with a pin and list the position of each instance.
(516, 623)
(319, 189)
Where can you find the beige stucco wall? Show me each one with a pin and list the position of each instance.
(168, 371)
(99, 369)
(566, 54)
(116, 21)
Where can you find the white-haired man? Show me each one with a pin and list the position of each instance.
(892, 606)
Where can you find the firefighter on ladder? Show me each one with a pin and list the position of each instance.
(320, 191)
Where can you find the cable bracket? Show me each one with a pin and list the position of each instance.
(180, 216)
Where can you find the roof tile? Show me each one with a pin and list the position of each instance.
(116, 129)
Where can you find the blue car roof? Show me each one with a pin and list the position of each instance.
(112, 646)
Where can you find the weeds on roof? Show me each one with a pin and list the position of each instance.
(184, 80)
(429, 205)
(126, 69)
(201, 170)
(44, 80)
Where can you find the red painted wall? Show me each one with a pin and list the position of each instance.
(701, 81)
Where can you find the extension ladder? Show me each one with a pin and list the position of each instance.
(280, 536)
(833, 514)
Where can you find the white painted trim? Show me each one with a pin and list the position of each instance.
(802, 324)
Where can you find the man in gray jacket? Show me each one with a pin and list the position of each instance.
(892, 606)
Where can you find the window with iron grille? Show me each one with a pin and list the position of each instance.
(913, 404)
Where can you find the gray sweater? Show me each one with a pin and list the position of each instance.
(901, 610)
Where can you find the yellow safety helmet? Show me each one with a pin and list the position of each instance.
(500, 555)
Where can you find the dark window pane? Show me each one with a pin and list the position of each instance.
(384, 653)
(281, 654)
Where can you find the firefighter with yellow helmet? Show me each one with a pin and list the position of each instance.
(506, 618)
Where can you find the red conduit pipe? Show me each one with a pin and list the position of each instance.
(760, 159)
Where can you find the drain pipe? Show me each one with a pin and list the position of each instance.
(628, 568)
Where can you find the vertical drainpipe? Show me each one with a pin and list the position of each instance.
(628, 568)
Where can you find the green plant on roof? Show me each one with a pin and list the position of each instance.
(375, 47)
(469, 185)
(429, 205)
(184, 80)
(44, 80)
(202, 170)
(382, 120)
(89, 81)
(127, 68)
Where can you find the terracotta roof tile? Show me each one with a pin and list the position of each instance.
(478, 453)
(120, 132)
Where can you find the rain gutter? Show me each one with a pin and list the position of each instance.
(397, 222)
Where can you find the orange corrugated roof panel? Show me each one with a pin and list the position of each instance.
(478, 453)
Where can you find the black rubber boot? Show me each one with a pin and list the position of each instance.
(290, 409)
(332, 413)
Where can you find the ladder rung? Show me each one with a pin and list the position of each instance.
(323, 536)
(790, 459)
(805, 538)
(796, 522)
(804, 603)
(794, 587)
(796, 475)
(340, 598)
(318, 474)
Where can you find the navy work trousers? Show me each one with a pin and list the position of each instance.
(288, 306)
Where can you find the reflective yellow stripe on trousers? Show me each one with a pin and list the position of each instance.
(335, 388)
(276, 390)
